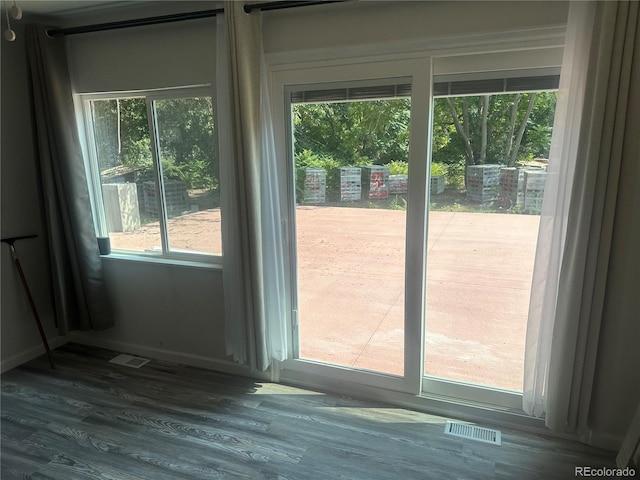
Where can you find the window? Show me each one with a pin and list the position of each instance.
(409, 272)
(153, 169)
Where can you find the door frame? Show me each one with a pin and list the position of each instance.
(417, 70)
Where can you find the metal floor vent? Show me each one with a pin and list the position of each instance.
(129, 361)
(472, 432)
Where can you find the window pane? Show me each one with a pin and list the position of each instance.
(121, 132)
(190, 174)
(351, 167)
(490, 153)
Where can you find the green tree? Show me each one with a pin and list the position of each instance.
(354, 133)
(187, 142)
(503, 128)
(185, 134)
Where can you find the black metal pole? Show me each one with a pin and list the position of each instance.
(14, 256)
(265, 6)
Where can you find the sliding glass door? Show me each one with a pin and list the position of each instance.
(412, 271)
(357, 227)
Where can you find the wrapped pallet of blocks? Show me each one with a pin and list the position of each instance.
(534, 182)
(483, 182)
(350, 184)
(512, 185)
(375, 182)
(312, 184)
(437, 184)
(511, 182)
(398, 184)
(176, 198)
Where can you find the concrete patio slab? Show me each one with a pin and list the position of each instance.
(351, 284)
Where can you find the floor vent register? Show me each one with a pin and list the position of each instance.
(473, 432)
(129, 361)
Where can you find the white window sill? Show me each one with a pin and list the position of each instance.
(213, 263)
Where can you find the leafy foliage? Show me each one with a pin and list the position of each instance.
(438, 169)
(398, 168)
(354, 133)
(185, 134)
(185, 131)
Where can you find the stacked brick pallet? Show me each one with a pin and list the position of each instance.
(517, 185)
(375, 182)
(398, 184)
(176, 197)
(483, 182)
(350, 184)
(511, 183)
(533, 190)
(314, 182)
(437, 184)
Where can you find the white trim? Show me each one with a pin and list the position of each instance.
(441, 387)
(530, 39)
(183, 358)
(156, 93)
(31, 353)
(209, 262)
(433, 405)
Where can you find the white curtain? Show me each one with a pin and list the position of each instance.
(598, 121)
(258, 261)
(275, 298)
(232, 264)
(555, 206)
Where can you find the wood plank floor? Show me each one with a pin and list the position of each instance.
(90, 419)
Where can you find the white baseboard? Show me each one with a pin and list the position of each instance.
(215, 364)
(31, 353)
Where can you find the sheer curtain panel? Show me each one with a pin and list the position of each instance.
(236, 296)
(555, 207)
(80, 295)
(258, 211)
(599, 216)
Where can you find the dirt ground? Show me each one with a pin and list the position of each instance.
(351, 287)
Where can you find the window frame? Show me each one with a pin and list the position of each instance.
(85, 123)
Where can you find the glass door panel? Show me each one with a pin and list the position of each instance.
(483, 229)
(351, 164)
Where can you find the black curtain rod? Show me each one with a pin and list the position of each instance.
(136, 22)
(265, 6)
(179, 17)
